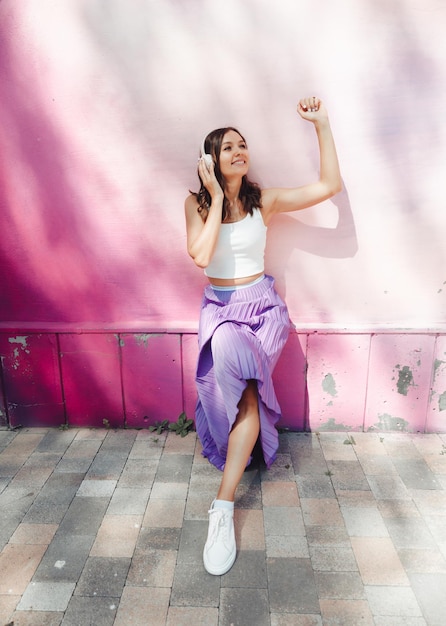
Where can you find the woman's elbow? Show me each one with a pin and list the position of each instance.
(337, 187)
(334, 187)
(199, 260)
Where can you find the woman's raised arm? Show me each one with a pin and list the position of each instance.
(329, 183)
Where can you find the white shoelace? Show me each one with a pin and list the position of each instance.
(218, 523)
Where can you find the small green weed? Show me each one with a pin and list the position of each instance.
(183, 426)
(328, 473)
(106, 423)
(159, 427)
(443, 449)
(64, 427)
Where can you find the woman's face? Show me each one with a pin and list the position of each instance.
(234, 156)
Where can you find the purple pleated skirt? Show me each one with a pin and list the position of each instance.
(241, 335)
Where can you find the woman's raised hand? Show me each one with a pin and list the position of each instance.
(312, 109)
(207, 175)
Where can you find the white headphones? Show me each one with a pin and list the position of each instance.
(207, 158)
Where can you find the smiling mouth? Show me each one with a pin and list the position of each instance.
(239, 162)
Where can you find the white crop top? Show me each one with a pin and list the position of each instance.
(240, 248)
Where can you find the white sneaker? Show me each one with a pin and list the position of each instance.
(220, 550)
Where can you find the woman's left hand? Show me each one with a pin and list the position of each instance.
(312, 109)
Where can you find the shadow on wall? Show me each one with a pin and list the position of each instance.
(289, 233)
(56, 262)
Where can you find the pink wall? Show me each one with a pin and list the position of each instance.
(331, 381)
(102, 110)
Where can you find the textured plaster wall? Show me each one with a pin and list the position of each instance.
(103, 107)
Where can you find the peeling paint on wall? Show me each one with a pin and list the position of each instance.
(442, 401)
(23, 341)
(437, 365)
(331, 425)
(405, 379)
(389, 422)
(143, 338)
(329, 385)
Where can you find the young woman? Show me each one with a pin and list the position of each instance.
(244, 324)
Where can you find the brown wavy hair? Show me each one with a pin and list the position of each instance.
(250, 193)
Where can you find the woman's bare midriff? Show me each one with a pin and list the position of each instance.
(229, 282)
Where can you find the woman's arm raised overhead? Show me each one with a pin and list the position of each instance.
(277, 200)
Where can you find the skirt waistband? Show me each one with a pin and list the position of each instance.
(237, 287)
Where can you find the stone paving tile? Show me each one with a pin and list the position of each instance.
(198, 616)
(315, 486)
(249, 570)
(287, 546)
(430, 592)
(36, 534)
(333, 559)
(193, 586)
(374, 465)
(291, 586)
(46, 596)
(138, 473)
(107, 464)
(174, 468)
(169, 491)
(104, 577)
(244, 606)
(280, 494)
(339, 585)
(411, 532)
(416, 474)
(294, 619)
(139, 608)
(364, 522)
(388, 487)
(393, 601)
(64, 559)
(117, 536)
(418, 561)
(164, 513)
(346, 612)
(37, 618)
(108, 527)
(128, 501)
(157, 539)
(378, 561)
(8, 602)
(320, 511)
(84, 516)
(18, 564)
(347, 476)
(86, 610)
(383, 620)
(249, 529)
(52, 503)
(153, 568)
(282, 520)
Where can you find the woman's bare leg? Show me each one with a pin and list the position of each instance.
(242, 439)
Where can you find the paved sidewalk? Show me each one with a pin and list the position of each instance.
(107, 527)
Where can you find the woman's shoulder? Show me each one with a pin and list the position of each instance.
(191, 201)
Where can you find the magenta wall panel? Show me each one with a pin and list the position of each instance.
(436, 413)
(190, 355)
(289, 383)
(32, 381)
(3, 413)
(91, 379)
(337, 380)
(151, 374)
(399, 382)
